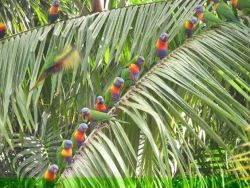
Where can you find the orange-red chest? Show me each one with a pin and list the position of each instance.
(48, 176)
(53, 10)
(79, 136)
(101, 107)
(115, 90)
(161, 45)
(67, 153)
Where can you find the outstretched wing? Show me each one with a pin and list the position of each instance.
(68, 59)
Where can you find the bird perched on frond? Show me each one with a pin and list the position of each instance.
(243, 5)
(100, 106)
(64, 155)
(68, 59)
(224, 11)
(189, 27)
(112, 96)
(130, 75)
(79, 136)
(53, 12)
(207, 17)
(2, 30)
(94, 116)
(162, 46)
(50, 176)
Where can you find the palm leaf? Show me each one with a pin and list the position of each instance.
(173, 95)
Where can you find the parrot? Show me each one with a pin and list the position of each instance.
(68, 59)
(132, 72)
(50, 176)
(64, 155)
(112, 96)
(94, 116)
(79, 136)
(224, 11)
(130, 75)
(207, 17)
(2, 30)
(100, 106)
(241, 4)
(53, 11)
(162, 46)
(189, 26)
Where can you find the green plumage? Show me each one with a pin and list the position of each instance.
(48, 184)
(125, 76)
(99, 116)
(60, 160)
(243, 4)
(109, 102)
(62, 163)
(225, 12)
(75, 148)
(211, 20)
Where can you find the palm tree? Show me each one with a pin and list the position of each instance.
(185, 115)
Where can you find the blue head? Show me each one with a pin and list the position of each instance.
(85, 111)
(53, 169)
(140, 61)
(216, 1)
(55, 3)
(67, 144)
(199, 9)
(100, 99)
(119, 82)
(193, 20)
(83, 127)
(164, 37)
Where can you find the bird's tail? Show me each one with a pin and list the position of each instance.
(40, 80)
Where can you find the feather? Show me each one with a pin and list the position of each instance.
(68, 59)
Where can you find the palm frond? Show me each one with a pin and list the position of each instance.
(201, 87)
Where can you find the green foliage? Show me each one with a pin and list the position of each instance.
(186, 114)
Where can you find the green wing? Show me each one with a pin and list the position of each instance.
(243, 4)
(225, 12)
(74, 149)
(125, 74)
(211, 19)
(60, 162)
(108, 100)
(99, 116)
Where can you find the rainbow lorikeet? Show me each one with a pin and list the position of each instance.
(2, 30)
(94, 116)
(132, 72)
(79, 136)
(189, 26)
(50, 176)
(64, 155)
(68, 59)
(207, 17)
(53, 12)
(130, 75)
(100, 106)
(241, 4)
(224, 11)
(162, 46)
(112, 96)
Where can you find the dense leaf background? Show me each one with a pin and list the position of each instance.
(186, 116)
